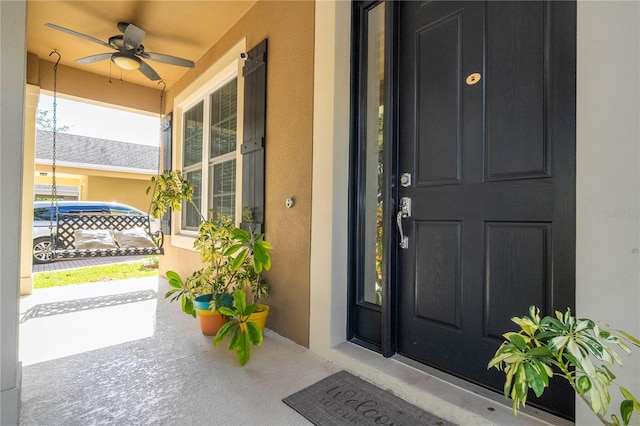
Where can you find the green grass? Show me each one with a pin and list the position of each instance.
(117, 271)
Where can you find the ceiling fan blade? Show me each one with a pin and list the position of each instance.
(148, 71)
(94, 58)
(77, 34)
(168, 59)
(133, 37)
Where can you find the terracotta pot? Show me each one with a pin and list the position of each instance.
(210, 321)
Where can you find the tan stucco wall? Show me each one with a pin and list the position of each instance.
(85, 85)
(101, 185)
(184, 262)
(126, 191)
(289, 26)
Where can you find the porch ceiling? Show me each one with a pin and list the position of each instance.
(185, 29)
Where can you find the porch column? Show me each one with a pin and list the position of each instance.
(329, 216)
(28, 173)
(12, 72)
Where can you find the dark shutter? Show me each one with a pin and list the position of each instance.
(255, 105)
(166, 163)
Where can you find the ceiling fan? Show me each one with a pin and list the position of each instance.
(130, 50)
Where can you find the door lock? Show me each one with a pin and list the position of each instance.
(403, 213)
(405, 180)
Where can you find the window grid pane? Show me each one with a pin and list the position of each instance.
(190, 217)
(193, 135)
(223, 200)
(223, 119)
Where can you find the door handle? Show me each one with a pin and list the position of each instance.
(404, 212)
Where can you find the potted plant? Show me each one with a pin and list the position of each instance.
(243, 331)
(251, 252)
(195, 295)
(234, 257)
(565, 346)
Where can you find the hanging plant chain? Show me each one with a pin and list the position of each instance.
(54, 189)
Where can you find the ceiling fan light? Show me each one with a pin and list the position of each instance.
(126, 62)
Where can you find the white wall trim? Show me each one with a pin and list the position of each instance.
(608, 177)
(12, 106)
(328, 281)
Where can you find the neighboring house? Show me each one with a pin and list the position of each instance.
(97, 169)
(524, 163)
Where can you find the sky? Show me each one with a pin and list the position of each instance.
(100, 122)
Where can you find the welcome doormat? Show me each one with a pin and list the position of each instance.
(344, 399)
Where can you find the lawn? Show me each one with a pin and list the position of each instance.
(116, 271)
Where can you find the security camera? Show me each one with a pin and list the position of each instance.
(244, 56)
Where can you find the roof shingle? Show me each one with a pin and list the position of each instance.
(86, 151)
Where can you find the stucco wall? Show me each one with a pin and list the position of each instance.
(125, 191)
(85, 85)
(289, 26)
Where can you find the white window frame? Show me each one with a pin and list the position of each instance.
(229, 66)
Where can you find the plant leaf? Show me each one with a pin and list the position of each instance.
(630, 397)
(224, 332)
(187, 306)
(250, 309)
(255, 333)
(173, 276)
(518, 341)
(629, 337)
(240, 301)
(584, 384)
(534, 381)
(557, 343)
(227, 311)
(234, 248)
(239, 260)
(626, 411)
(243, 348)
(540, 351)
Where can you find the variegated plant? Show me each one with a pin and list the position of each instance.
(565, 346)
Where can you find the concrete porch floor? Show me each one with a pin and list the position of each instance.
(119, 353)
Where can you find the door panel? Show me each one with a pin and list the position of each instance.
(438, 301)
(438, 161)
(492, 196)
(517, 271)
(517, 146)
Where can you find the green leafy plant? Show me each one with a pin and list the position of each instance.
(243, 332)
(180, 291)
(234, 257)
(250, 252)
(169, 189)
(565, 346)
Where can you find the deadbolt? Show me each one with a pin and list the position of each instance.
(405, 180)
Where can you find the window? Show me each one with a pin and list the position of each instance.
(207, 134)
(192, 162)
(368, 165)
(371, 165)
(209, 157)
(222, 152)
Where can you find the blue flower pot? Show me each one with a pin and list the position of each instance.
(202, 302)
